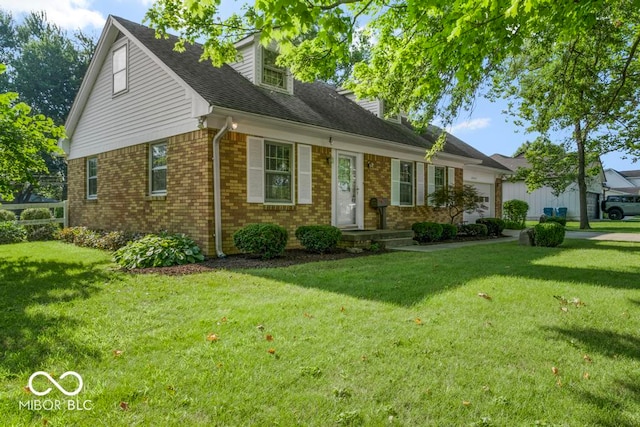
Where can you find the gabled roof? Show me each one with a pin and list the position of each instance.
(316, 104)
(630, 174)
(511, 163)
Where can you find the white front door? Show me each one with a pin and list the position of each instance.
(347, 183)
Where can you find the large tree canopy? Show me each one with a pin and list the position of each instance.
(568, 66)
(23, 137)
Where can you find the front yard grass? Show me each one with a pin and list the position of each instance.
(495, 335)
(609, 226)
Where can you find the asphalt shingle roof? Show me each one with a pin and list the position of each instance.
(317, 104)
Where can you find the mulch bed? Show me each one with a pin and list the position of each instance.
(290, 257)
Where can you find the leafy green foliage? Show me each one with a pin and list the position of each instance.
(7, 215)
(318, 238)
(39, 231)
(10, 232)
(425, 232)
(495, 226)
(266, 240)
(105, 240)
(158, 251)
(515, 213)
(456, 200)
(480, 230)
(549, 234)
(560, 220)
(449, 231)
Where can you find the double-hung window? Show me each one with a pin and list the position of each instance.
(439, 177)
(406, 183)
(272, 74)
(119, 60)
(92, 178)
(158, 169)
(277, 172)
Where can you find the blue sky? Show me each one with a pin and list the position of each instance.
(486, 128)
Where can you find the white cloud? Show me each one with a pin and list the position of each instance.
(69, 14)
(473, 124)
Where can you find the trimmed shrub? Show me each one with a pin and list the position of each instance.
(511, 225)
(495, 226)
(266, 240)
(426, 232)
(515, 213)
(106, 240)
(449, 231)
(558, 219)
(158, 251)
(480, 230)
(6, 215)
(10, 232)
(318, 238)
(41, 231)
(549, 234)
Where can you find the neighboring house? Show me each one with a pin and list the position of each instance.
(159, 140)
(543, 197)
(622, 182)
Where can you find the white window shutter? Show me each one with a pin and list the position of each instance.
(431, 181)
(419, 184)
(452, 176)
(255, 170)
(304, 174)
(395, 182)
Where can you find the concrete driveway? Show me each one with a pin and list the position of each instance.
(594, 235)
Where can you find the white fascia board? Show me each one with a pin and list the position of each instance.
(285, 130)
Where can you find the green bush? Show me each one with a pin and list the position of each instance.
(515, 213)
(318, 238)
(10, 232)
(426, 232)
(511, 225)
(158, 251)
(449, 231)
(41, 231)
(558, 219)
(549, 234)
(266, 240)
(479, 230)
(6, 215)
(495, 226)
(106, 240)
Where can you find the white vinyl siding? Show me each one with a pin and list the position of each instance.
(158, 169)
(92, 178)
(304, 174)
(155, 108)
(245, 66)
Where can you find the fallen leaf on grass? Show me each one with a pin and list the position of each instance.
(466, 403)
(117, 353)
(260, 327)
(577, 302)
(124, 406)
(587, 358)
(212, 337)
(342, 309)
(562, 299)
(586, 375)
(564, 309)
(308, 316)
(485, 296)
(271, 351)
(269, 337)
(554, 370)
(559, 382)
(418, 321)
(26, 389)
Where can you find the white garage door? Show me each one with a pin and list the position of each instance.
(486, 199)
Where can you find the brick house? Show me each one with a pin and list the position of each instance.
(158, 140)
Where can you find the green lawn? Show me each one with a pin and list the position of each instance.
(398, 338)
(609, 226)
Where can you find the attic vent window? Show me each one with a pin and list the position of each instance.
(272, 74)
(119, 64)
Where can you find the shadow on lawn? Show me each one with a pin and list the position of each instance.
(31, 332)
(611, 345)
(412, 277)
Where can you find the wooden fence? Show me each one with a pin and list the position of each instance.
(21, 206)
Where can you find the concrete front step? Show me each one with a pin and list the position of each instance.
(394, 242)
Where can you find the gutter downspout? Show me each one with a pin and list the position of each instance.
(217, 202)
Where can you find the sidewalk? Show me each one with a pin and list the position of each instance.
(512, 235)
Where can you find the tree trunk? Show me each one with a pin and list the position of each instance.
(582, 177)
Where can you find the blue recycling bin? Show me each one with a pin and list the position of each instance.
(562, 212)
(548, 211)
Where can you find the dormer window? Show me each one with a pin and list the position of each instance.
(272, 74)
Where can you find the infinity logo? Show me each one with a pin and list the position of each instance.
(55, 383)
